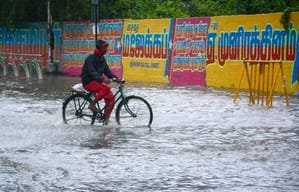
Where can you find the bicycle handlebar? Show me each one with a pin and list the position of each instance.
(119, 81)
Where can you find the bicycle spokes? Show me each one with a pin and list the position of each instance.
(131, 111)
(135, 112)
(127, 108)
(75, 110)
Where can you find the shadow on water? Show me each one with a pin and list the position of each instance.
(113, 136)
(102, 139)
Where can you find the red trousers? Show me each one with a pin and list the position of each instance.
(103, 91)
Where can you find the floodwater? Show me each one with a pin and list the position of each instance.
(200, 141)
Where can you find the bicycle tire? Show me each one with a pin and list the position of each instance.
(142, 112)
(75, 110)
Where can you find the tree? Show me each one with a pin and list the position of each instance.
(13, 12)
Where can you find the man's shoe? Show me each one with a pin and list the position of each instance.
(106, 122)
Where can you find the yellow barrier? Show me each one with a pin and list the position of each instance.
(262, 79)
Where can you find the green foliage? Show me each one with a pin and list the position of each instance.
(285, 19)
(13, 12)
(211, 7)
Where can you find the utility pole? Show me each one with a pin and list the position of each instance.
(95, 16)
(50, 39)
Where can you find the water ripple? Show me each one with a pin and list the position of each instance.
(200, 141)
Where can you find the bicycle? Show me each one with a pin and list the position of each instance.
(130, 110)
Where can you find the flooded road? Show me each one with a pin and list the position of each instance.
(200, 141)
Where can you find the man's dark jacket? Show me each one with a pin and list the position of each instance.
(94, 68)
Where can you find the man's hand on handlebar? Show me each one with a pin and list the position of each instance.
(118, 80)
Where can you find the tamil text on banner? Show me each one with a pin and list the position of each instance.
(188, 55)
(110, 30)
(233, 39)
(145, 45)
(27, 42)
(78, 42)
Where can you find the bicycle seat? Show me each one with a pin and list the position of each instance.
(79, 88)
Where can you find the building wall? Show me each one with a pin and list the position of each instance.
(203, 51)
(145, 50)
(233, 39)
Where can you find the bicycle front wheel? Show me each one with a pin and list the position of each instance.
(75, 110)
(134, 111)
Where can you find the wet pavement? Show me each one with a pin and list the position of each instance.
(200, 141)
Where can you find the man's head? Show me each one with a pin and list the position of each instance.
(101, 47)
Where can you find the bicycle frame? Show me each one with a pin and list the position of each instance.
(81, 98)
(118, 96)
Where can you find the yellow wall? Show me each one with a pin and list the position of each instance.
(142, 67)
(228, 75)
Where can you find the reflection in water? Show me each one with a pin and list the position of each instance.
(200, 141)
(101, 140)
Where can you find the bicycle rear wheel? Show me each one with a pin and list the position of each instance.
(134, 111)
(75, 110)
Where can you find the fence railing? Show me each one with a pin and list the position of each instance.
(28, 63)
(262, 77)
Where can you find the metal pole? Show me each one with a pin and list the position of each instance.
(50, 36)
(48, 17)
(96, 23)
(95, 6)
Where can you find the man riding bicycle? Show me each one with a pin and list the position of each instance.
(96, 76)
